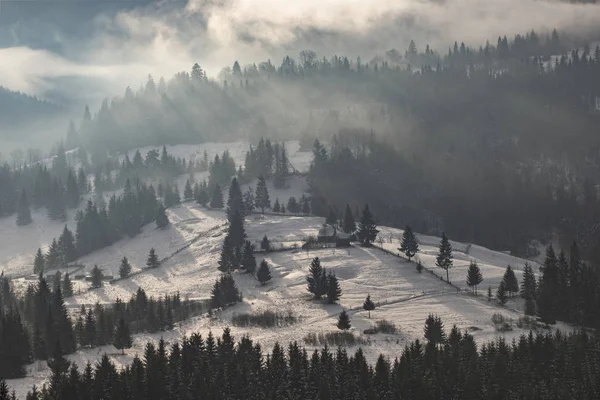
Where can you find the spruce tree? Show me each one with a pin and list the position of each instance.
(203, 196)
(334, 291)
(501, 294)
(249, 201)
(235, 200)
(332, 218)
(96, 277)
(124, 268)
(489, 293)
(547, 307)
(444, 257)
(276, 206)
(264, 272)
(227, 259)
(216, 201)
(316, 279)
(122, 338)
(188, 193)
(265, 244)
(161, 218)
(39, 262)
(367, 231)
(262, 194)
(349, 225)
(434, 330)
(66, 244)
(528, 289)
(474, 277)
(368, 305)
(23, 211)
(343, 321)
(292, 205)
(510, 281)
(67, 286)
(248, 259)
(152, 260)
(236, 232)
(409, 245)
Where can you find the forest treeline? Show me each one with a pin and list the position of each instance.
(446, 365)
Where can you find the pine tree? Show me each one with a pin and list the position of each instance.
(161, 218)
(317, 279)
(124, 268)
(343, 321)
(501, 293)
(216, 200)
(66, 244)
(334, 291)
(276, 206)
(332, 218)
(265, 244)
(292, 205)
(248, 259)
(122, 337)
(305, 206)
(96, 277)
(489, 293)
(474, 277)
(39, 262)
(67, 286)
(262, 194)
(188, 193)
(510, 281)
(434, 330)
(235, 200)
(249, 201)
(152, 261)
(227, 259)
(57, 363)
(547, 307)
(236, 233)
(23, 211)
(202, 196)
(367, 231)
(368, 305)
(349, 225)
(90, 329)
(444, 257)
(409, 245)
(264, 272)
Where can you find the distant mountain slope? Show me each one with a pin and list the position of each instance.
(17, 108)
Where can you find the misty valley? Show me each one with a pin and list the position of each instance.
(207, 200)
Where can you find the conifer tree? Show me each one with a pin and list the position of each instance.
(332, 218)
(474, 277)
(265, 244)
(73, 194)
(161, 218)
(38, 262)
(67, 286)
(489, 293)
(227, 259)
(57, 363)
(317, 280)
(236, 233)
(264, 272)
(249, 201)
(235, 200)
(66, 244)
(419, 267)
(510, 281)
(122, 337)
(152, 261)
(349, 225)
(276, 206)
(124, 268)
(548, 288)
(202, 197)
(23, 211)
(434, 330)
(367, 231)
(409, 245)
(444, 257)
(343, 321)
(248, 259)
(262, 194)
(334, 291)
(96, 277)
(216, 201)
(292, 205)
(501, 294)
(188, 193)
(305, 206)
(90, 329)
(368, 305)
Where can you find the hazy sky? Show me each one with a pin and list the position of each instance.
(164, 38)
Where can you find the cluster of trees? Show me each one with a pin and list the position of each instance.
(535, 366)
(268, 160)
(320, 283)
(294, 206)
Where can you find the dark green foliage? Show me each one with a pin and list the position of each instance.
(236, 232)
(23, 212)
(409, 245)
(317, 279)
(124, 268)
(227, 261)
(122, 336)
(276, 206)
(235, 201)
(334, 291)
(434, 330)
(444, 257)
(264, 272)
(368, 305)
(510, 281)
(162, 220)
(67, 247)
(188, 193)
(332, 218)
(67, 286)
(152, 261)
(305, 205)
(249, 201)
(343, 321)
(262, 194)
(97, 276)
(501, 293)
(348, 225)
(38, 262)
(367, 230)
(474, 277)
(224, 292)
(265, 244)
(216, 201)
(248, 259)
(201, 195)
(548, 287)
(489, 293)
(293, 206)
(528, 289)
